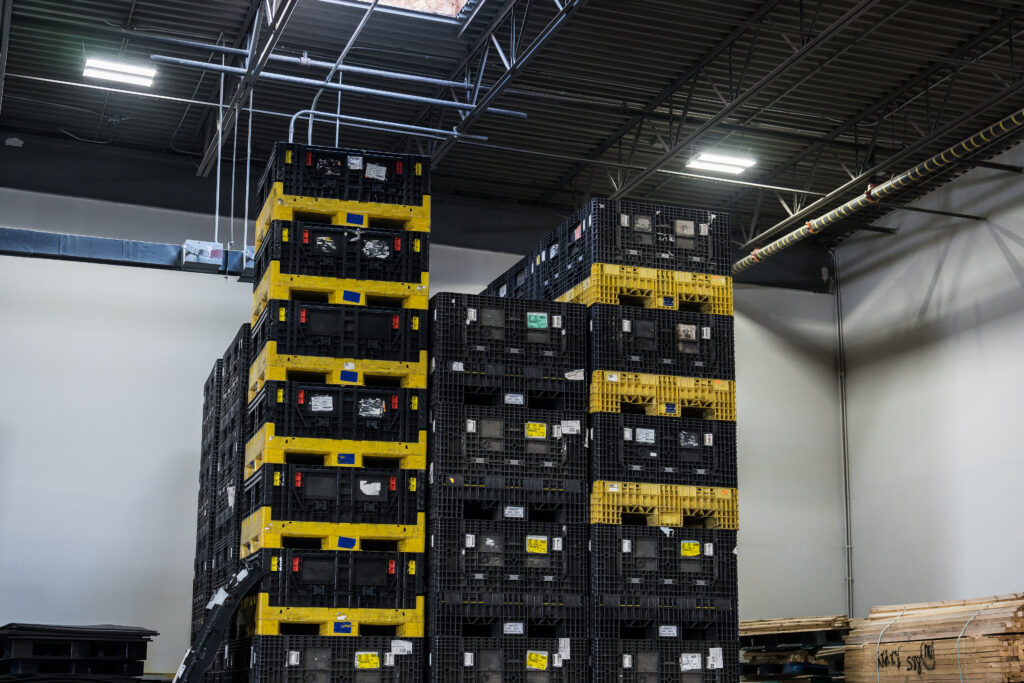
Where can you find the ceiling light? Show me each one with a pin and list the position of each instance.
(723, 163)
(119, 71)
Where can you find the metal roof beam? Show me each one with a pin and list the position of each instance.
(514, 59)
(659, 100)
(806, 49)
(880, 105)
(262, 49)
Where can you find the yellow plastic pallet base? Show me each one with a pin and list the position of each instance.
(261, 619)
(667, 505)
(278, 285)
(261, 530)
(290, 207)
(662, 395)
(653, 288)
(270, 365)
(266, 448)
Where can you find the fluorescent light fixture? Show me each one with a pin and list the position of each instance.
(119, 71)
(723, 163)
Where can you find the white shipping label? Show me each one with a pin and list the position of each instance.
(556, 660)
(709, 439)
(715, 660)
(576, 375)
(321, 403)
(470, 315)
(613, 488)
(401, 647)
(471, 426)
(556, 543)
(376, 172)
(704, 229)
(389, 659)
(689, 661)
(668, 631)
(513, 628)
(458, 366)
(709, 549)
(627, 545)
(565, 648)
(627, 325)
(612, 377)
(570, 426)
(627, 661)
(231, 496)
(553, 252)
(467, 659)
(515, 399)
(355, 163)
(370, 488)
(294, 658)
(556, 322)
(644, 435)
(705, 332)
(371, 407)
(350, 366)
(627, 434)
(624, 220)
(515, 512)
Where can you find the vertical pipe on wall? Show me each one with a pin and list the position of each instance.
(844, 424)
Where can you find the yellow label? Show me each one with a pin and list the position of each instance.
(284, 234)
(536, 430)
(412, 567)
(419, 168)
(416, 245)
(689, 549)
(537, 545)
(367, 660)
(536, 660)
(277, 478)
(415, 402)
(288, 156)
(415, 322)
(412, 483)
(280, 395)
(281, 313)
(273, 564)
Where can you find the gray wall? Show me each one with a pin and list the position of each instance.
(99, 438)
(933, 322)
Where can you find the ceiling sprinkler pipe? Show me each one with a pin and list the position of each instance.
(392, 126)
(873, 195)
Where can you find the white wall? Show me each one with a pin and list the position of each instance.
(933, 321)
(99, 436)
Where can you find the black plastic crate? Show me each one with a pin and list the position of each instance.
(512, 499)
(348, 174)
(224, 561)
(661, 342)
(467, 614)
(235, 385)
(662, 450)
(326, 659)
(518, 282)
(237, 358)
(659, 566)
(533, 391)
(327, 578)
(702, 618)
(307, 329)
(508, 659)
(508, 440)
(322, 411)
(503, 336)
(321, 250)
(664, 660)
(212, 391)
(311, 493)
(478, 555)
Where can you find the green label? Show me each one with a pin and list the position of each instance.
(537, 320)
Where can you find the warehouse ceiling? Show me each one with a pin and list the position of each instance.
(599, 97)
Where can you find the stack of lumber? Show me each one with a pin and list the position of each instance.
(921, 642)
(802, 648)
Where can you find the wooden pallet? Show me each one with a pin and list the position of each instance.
(978, 640)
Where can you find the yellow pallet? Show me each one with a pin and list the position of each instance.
(332, 290)
(266, 448)
(653, 288)
(261, 530)
(667, 505)
(270, 365)
(259, 618)
(662, 395)
(290, 207)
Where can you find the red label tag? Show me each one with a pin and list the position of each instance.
(391, 566)
(298, 480)
(398, 167)
(394, 402)
(392, 484)
(302, 315)
(398, 244)
(295, 564)
(305, 236)
(309, 158)
(394, 322)
(302, 396)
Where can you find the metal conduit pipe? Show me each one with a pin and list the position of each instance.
(939, 162)
(164, 59)
(396, 127)
(299, 61)
(337, 64)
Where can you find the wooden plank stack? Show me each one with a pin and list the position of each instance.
(978, 640)
(801, 648)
